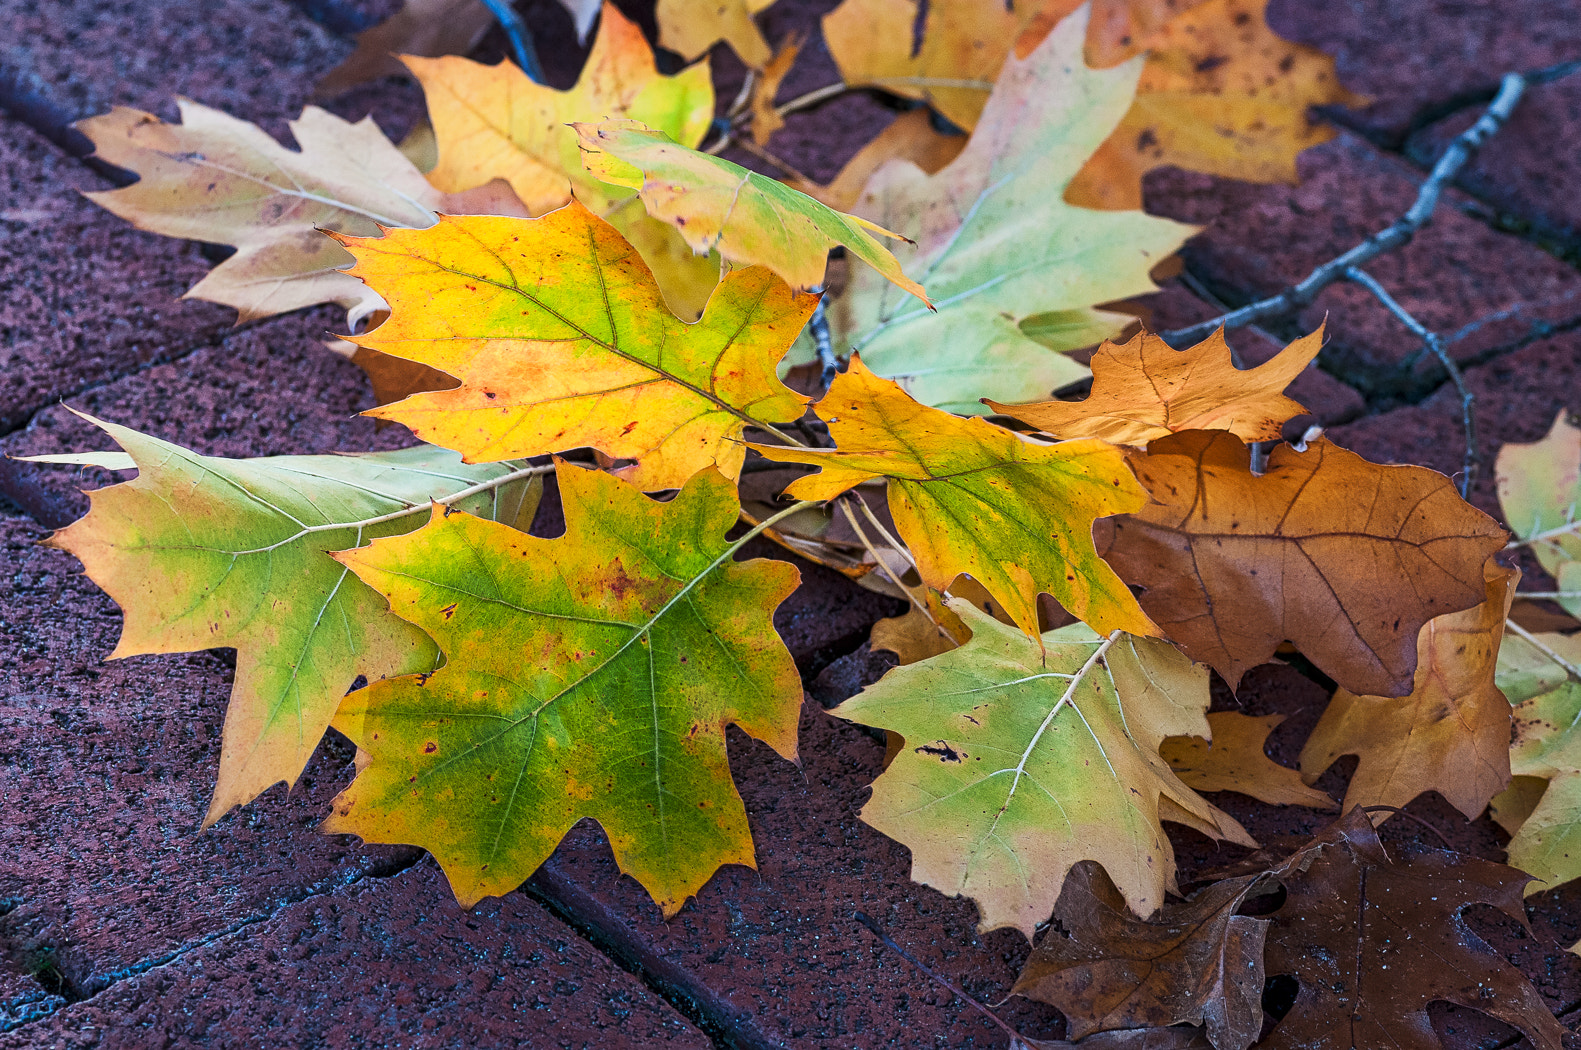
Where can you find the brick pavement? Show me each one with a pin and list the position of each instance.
(120, 926)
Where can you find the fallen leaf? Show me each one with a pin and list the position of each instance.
(1220, 92)
(218, 179)
(201, 552)
(587, 676)
(1196, 962)
(971, 497)
(561, 340)
(1024, 756)
(493, 122)
(1451, 735)
(395, 378)
(1540, 492)
(1234, 760)
(1543, 818)
(765, 118)
(421, 27)
(1374, 941)
(917, 635)
(1343, 558)
(1144, 389)
(691, 27)
(750, 219)
(910, 136)
(996, 244)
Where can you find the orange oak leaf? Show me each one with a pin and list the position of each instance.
(971, 497)
(1235, 761)
(1144, 389)
(691, 27)
(561, 340)
(1343, 558)
(1451, 735)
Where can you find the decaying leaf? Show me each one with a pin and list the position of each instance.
(1542, 807)
(1540, 493)
(1373, 941)
(493, 122)
(1220, 91)
(1451, 735)
(218, 179)
(749, 219)
(591, 675)
(201, 552)
(995, 244)
(971, 497)
(1144, 389)
(1022, 758)
(560, 339)
(691, 27)
(1343, 558)
(429, 28)
(1234, 760)
(1196, 962)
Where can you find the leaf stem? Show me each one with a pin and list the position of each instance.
(1536, 643)
(1548, 595)
(1544, 537)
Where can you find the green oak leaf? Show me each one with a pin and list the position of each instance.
(591, 675)
(202, 552)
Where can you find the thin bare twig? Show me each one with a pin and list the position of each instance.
(1548, 595)
(1414, 817)
(944, 982)
(1547, 536)
(768, 158)
(883, 565)
(818, 325)
(1435, 344)
(1399, 233)
(1537, 643)
(520, 37)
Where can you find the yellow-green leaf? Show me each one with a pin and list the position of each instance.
(720, 206)
(968, 496)
(561, 340)
(1021, 759)
(202, 552)
(591, 675)
(1540, 493)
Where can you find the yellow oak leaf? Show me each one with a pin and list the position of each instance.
(971, 497)
(561, 340)
(1540, 494)
(691, 27)
(1145, 389)
(765, 118)
(1233, 759)
(720, 206)
(1450, 735)
(590, 675)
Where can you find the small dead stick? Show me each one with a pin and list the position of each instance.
(520, 37)
(1412, 817)
(1396, 235)
(1435, 344)
(883, 938)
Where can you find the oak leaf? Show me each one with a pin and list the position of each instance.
(218, 179)
(591, 675)
(766, 120)
(560, 339)
(1343, 558)
(1145, 389)
(1233, 759)
(971, 497)
(921, 633)
(202, 552)
(1540, 808)
(1540, 494)
(1373, 941)
(1451, 735)
(996, 245)
(1197, 962)
(691, 27)
(720, 206)
(1021, 759)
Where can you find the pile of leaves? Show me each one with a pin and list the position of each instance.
(579, 274)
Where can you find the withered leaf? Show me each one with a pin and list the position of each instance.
(1105, 969)
(1234, 760)
(1343, 558)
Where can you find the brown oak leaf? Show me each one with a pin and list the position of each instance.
(1343, 558)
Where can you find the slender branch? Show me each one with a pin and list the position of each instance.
(1536, 643)
(1435, 344)
(409, 509)
(818, 325)
(1411, 816)
(878, 931)
(1399, 233)
(883, 566)
(1545, 537)
(768, 158)
(1548, 595)
(517, 33)
(740, 115)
